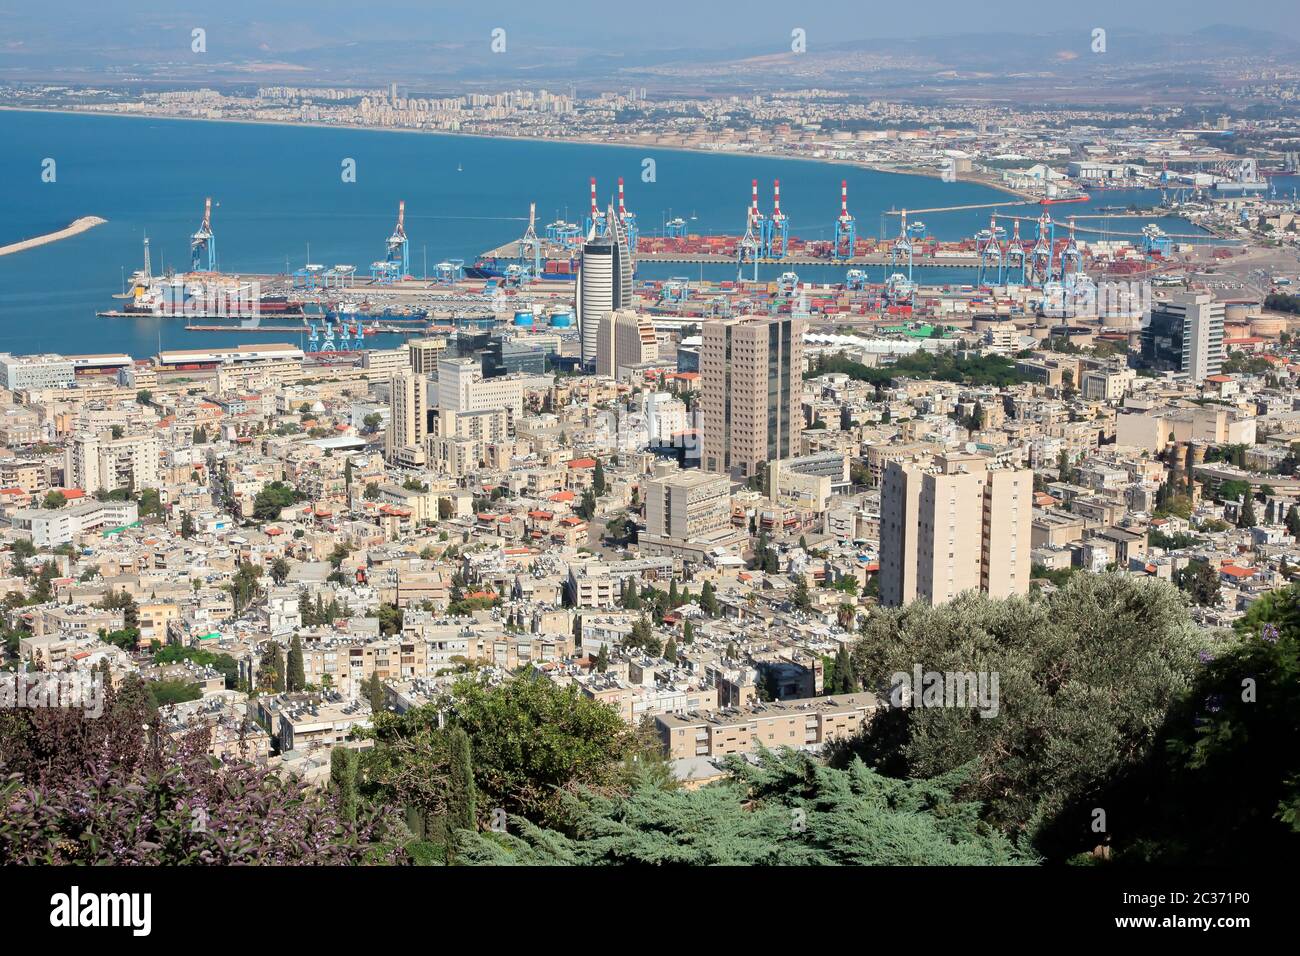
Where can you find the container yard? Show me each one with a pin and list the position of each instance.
(1018, 265)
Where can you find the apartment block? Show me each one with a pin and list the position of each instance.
(959, 524)
(751, 371)
(804, 724)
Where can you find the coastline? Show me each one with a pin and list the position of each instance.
(74, 228)
(576, 140)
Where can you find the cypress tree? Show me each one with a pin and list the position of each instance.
(708, 601)
(461, 795)
(296, 678)
(343, 781)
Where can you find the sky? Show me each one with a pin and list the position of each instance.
(613, 24)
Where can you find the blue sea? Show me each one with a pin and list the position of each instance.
(279, 198)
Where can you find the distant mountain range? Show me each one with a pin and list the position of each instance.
(310, 52)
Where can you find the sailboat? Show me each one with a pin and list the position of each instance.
(460, 168)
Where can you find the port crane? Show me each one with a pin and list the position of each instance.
(628, 219)
(1040, 257)
(203, 244)
(530, 244)
(777, 238)
(750, 247)
(595, 225)
(1016, 266)
(1071, 261)
(846, 230)
(988, 244)
(397, 261)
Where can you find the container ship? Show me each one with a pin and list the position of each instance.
(490, 267)
(203, 295)
(353, 313)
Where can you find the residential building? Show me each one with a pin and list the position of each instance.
(750, 394)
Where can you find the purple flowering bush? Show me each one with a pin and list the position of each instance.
(76, 790)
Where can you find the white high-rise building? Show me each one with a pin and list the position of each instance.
(408, 424)
(604, 282)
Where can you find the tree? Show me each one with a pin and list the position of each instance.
(670, 651)
(243, 586)
(631, 600)
(372, 491)
(1225, 787)
(54, 499)
(708, 600)
(1246, 517)
(1086, 678)
(801, 599)
(598, 479)
(444, 509)
(688, 632)
(1293, 522)
(372, 688)
(1201, 582)
(295, 678)
(343, 781)
(270, 671)
(372, 422)
(853, 816)
(461, 813)
(187, 525)
(602, 659)
(274, 497)
(279, 570)
(843, 678)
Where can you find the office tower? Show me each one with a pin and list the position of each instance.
(751, 375)
(462, 388)
(958, 524)
(688, 513)
(1185, 335)
(687, 505)
(424, 354)
(604, 281)
(625, 337)
(404, 438)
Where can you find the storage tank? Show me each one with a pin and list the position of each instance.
(562, 320)
(1238, 311)
(1267, 326)
(523, 320)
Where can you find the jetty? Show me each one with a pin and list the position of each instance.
(76, 227)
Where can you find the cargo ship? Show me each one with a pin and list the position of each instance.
(353, 312)
(202, 296)
(490, 267)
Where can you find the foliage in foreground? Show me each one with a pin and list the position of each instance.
(76, 790)
(1224, 786)
(786, 809)
(530, 738)
(1087, 677)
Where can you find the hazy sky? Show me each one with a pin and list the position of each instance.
(618, 24)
